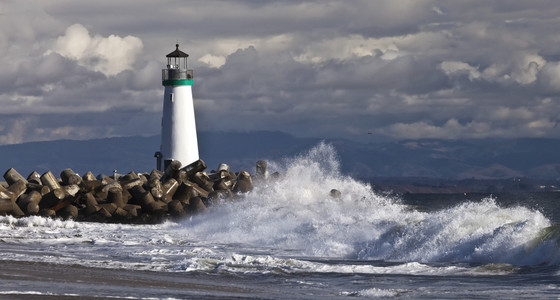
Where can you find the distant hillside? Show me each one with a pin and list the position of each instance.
(125, 154)
(459, 159)
(99, 155)
(439, 159)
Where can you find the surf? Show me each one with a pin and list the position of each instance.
(296, 214)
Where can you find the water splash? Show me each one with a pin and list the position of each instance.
(296, 214)
(471, 232)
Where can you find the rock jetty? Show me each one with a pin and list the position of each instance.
(144, 198)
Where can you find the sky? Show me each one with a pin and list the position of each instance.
(362, 70)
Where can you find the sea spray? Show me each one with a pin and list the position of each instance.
(480, 232)
(295, 213)
(289, 238)
(294, 217)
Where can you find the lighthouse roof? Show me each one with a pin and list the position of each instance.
(177, 53)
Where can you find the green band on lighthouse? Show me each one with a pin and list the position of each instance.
(177, 82)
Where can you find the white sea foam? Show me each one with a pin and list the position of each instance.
(50, 294)
(36, 293)
(295, 217)
(247, 264)
(375, 293)
(296, 213)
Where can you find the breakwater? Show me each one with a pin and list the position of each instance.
(177, 192)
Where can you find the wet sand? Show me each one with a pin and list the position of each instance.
(36, 280)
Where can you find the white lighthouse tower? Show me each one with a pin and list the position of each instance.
(178, 127)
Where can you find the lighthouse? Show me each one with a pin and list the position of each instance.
(178, 126)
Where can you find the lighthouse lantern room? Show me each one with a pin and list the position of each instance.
(178, 126)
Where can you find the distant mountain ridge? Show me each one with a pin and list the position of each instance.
(461, 159)
(430, 158)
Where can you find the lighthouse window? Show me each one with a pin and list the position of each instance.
(171, 97)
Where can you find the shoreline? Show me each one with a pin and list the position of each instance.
(40, 280)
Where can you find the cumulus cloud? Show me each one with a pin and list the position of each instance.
(522, 69)
(108, 55)
(550, 77)
(397, 69)
(452, 68)
(348, 47)
(213, 61)
(67, 84)
(15, 132)
(451, 127)
(525, 71)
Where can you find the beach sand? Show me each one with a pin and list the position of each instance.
(37, 280)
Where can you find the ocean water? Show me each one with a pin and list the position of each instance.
(289, 239)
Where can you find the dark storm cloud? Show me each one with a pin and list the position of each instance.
(397, 69)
